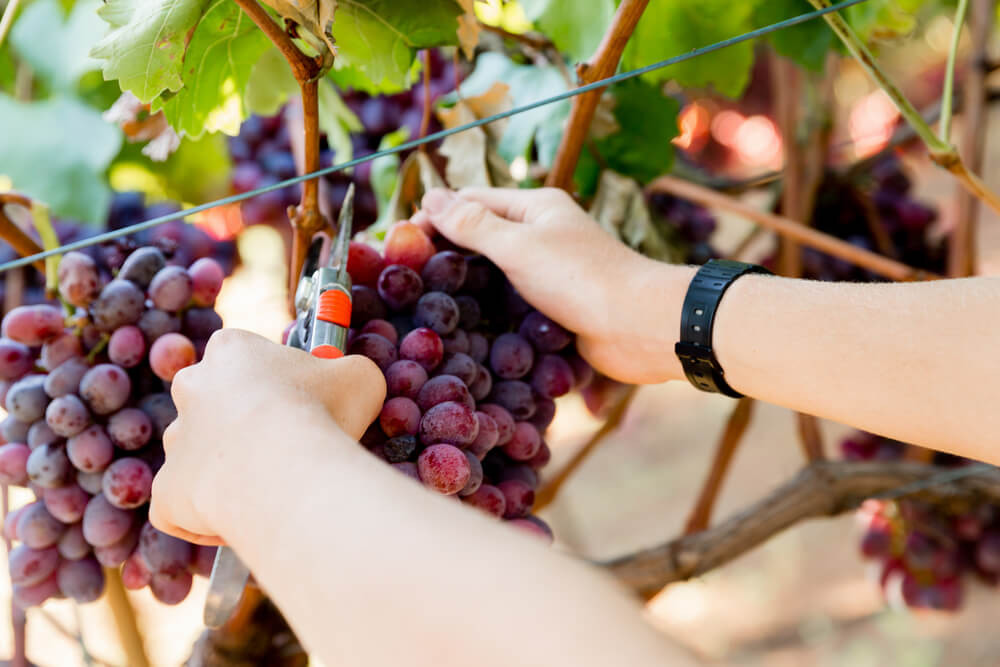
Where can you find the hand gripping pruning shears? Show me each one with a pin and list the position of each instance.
(322, 320)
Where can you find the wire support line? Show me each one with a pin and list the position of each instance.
(596, 85)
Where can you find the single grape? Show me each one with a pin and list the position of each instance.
(502, 418)
(475, 475)
(545, 412)
(127, 346)
(469, 312)
(489, 499)
(406, 244)
(381, 328)
(32, 596)
(32, 325)
(364, 264)
(127, 483)
(48, 466)
(457, 342)
(201, 323)
(552, 376)
(516, 397)
(106, 388)
(511, 356)
(79, 281)
(14, 430)
(436, 311)
(135, 574)
(405, 378)
(400, 416)
(444, 468)
(155, 323)
(15, 359)
(203, 560)
(171, 288)
(442, 388)
(206, 281)
(170, 353)
(422, 346)
(543, 333)
(57, 350)
(524, 443)
(13, 463)
(452, 423)
(161, 410)
(130, 428)
(444, 272)
(91, 482)
(366, 304)
(163, 553)
(66, 378)
(10, 524)
(480, 274)
(72, 545)
(67, 415)
(82, 580)
(170, 588)
(399, 286)
(479, 347)
(522, 472)
(37, 528)
(542, 458)
(26, 399)
(114, 555)
(90, 451)
(482, 384)
(376, 348)
(487, 437)
(518, 497)
(103, 523)
(119, 303)
(142, 265)
(66, 503)
(29, 566)
(461, 366)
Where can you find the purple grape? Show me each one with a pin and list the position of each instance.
(482, 384)
(30, 566)
(67, 415)
(30, 596)
(48, 466)
(469, 312)
(475, 475)
(103, 523)
(170, 588)
(14, 430)
(552, 376)
(206, 280)
(479, 347)
(72, 545)
(130, 428)
(142, 265)
(162, 553)
(457, 342)
(91, 482)
(518, 497)
(90, 451)
(15, 359)
(13, 463)
(155, 323)
(57, 350)
(524, 443)
(26, 399)
(545, 412)
(161, 410)
(502, 418)
(542, 458)
(120, 303)
(399, 286)
(32, 325)
(365, 305)
(400, 416)
(127, 483)
(201, 323)
(444, 272)
(511, 356)
(82, 580)
(444, 468)
(486, 438)
(443, 388)
(66, 378)
(66, 503)
(543, 333)
(127, 346)
(405, 378)
(203, 560)
(106, 388)
(376, 348)
(382, 328)
(171, 288)
(116, 554)
(489, 499)
(461, 366)
(452, 423)
(516, 397)
(422, 346)
(436, 311)
(37, 528)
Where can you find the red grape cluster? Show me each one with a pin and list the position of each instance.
(924, 549)
(688, 223)
(87, 400)
(471, 371)
(262, 152)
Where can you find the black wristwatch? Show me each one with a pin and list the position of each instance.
(698, 319)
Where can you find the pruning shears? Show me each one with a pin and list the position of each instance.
(322, 320)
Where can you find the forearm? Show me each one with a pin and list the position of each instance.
(916, 362)
(419, 579)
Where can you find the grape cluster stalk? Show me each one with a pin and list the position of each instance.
(471, 370)
(923, 553)
(86, 390)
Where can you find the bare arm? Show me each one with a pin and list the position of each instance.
(917, 362)
(369, 567)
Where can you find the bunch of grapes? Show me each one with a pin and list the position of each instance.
(923, 551)
(689, 224)
(262, 152)
(180, 242)
(86, 394)
(882, 216)
(471, 371)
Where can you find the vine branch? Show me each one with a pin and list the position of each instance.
(821, 489)
(807, 236)
(602, 65)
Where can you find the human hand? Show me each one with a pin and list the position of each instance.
(247, 397)
(624, 308)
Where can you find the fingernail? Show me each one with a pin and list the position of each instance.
(438, 200)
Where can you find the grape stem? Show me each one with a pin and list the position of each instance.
(820, 489)
(14, 235)
(124, 615)
(306, 218)
(602, 64)
(948, 94)
(786, 227)
(962, 250)
(941, 152)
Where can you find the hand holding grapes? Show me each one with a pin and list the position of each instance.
(565, 265)
(241, 399)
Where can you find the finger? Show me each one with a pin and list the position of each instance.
(516, 204)
(423, 221)
(465, 222)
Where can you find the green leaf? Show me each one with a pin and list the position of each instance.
(807, 43)
(380, 37)
(198, 170)
(222, 53)
(647, 120)
(671, 27)
(144, 50)
(349, 77)
(527, 84)
(575, 27)
(385, 169)
(271, 84)
(59, 154)
(337, 122)
(61, 57)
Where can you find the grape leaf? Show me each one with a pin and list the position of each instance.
(380, 37)
(807, 43)
(468, 28)
(647, 122)
(270, 85)
(59, 154)
(337, 122)
(62, 57)
(144, 50)
(576, 28)
(220, 56)
(672, 27)
(316, 17)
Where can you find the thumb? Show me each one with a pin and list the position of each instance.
(464, 222)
